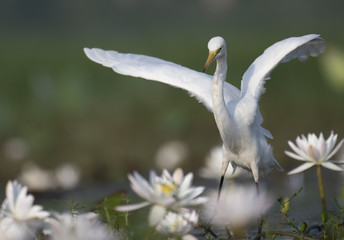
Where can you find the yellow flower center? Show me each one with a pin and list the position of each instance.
(178, 222)
(168, 188)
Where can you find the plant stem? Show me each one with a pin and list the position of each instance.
(321, 190)
(282, 234)
(207, 230)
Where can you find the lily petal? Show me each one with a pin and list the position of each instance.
(332, 166)
(191, 193)
(334, 151)
(301, 168)
(140, 186)
(156, 213)
(186, 182)
(178, 176)
(295, 156)
(301, 150)
(152, 178)
(166, 175)
(131, 207)
(331, 141)
(194, 202)
(189, 237)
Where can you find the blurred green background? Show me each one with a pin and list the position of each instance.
(56, 106)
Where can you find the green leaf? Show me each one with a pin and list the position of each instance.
(303, 227)
(107, 212)
(323, 218)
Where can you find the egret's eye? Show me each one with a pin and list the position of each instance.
(218, 50)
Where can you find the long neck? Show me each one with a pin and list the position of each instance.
(218, 81)
(223, 118)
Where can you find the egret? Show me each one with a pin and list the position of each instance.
(236, 112)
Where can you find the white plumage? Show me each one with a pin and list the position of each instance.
(236, 112)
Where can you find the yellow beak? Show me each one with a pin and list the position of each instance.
(211, 57)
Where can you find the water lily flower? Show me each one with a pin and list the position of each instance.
(178, 225)
(237, 207)
(19, 218)
(165, 192)
(315, 150)
(79, 227)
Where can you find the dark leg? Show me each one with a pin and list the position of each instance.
(220, 187)
(260, 221)
(224, 167)
(257, 187)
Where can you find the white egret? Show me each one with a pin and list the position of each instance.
(236, 112)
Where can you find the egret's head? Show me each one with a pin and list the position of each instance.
(217, 49)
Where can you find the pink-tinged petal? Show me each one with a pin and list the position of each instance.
(336, 149)
(178, 176)
(301, 168)
(10, 195)
(295, 156)
(131, 207)
(331, 166)
(156, 214)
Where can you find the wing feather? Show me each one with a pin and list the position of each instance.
(198, 84)
(252, 84)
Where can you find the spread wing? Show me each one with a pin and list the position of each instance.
(198, 84)
(252, 84)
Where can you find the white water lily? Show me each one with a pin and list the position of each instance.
(19, 218)
(178, 225)
(79, 227)
(165, 192)
(315, 150)
(238, 206)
